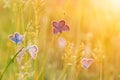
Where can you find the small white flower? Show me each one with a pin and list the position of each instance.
(61, 42)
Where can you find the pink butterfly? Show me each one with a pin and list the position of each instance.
(60, 27)
(33, 50)
(87, 62)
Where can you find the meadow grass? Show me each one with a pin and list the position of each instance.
(94, 33)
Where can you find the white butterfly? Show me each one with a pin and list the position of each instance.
(33, 50)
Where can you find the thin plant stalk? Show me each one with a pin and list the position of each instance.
(101, 68)
(10, 63)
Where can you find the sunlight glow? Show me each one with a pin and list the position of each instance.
(115, 4)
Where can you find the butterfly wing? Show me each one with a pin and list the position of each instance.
(60, 26)
(61, 23)
(16, 34)
(18, 37)
(56, 31)
(83, 61)
(55, 24)
(87, 62)
(12, 38)
(33, 50)
(65, 28)
(21, 38)
(90, 61)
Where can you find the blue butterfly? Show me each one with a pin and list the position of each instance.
(16, 38)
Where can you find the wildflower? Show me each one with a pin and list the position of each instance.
(60, 27)
(16, 38)
(20, 55)
(87, 62)
(33, 50)
(62, 42)
(87, 50)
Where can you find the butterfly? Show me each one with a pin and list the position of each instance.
(60, 26)
(87, 62)
(16, 38)
(33, 50)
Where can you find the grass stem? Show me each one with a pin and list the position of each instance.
(10, 63)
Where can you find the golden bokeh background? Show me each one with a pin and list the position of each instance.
(94, 25)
